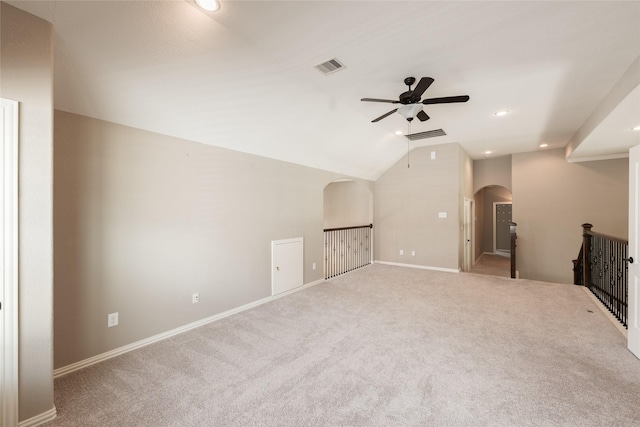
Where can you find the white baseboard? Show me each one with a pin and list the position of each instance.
(606, 312)
(159, 337)
(422, 267)
(39, 419)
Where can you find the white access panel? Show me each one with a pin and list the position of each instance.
(287, 264)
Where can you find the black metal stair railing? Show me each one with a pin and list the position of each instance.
(602, 266)
(346, 249)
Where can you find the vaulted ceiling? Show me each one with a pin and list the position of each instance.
(244, 78)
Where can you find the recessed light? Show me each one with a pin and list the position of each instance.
(209, 5)
(487, 152)
(398, 132)
(636, 128)
(502, 113)
(544, 145)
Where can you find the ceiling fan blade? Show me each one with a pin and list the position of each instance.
(380, 100)
(446, 100)
(384, 115)
(422, 85)
(422, 116)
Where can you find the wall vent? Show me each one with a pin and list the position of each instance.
(330, 66)
(427, 134)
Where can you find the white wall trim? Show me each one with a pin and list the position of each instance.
(9, 381)
(422, 267)
(40, 419)
(606, 312)
(159, 337)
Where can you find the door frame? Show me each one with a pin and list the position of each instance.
(9, 130)
(633, 323)
(495, 251)
(468, 230)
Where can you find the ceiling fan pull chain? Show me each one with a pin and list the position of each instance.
(408, 140)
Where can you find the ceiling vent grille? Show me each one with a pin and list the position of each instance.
(330, 66)
(427, 134)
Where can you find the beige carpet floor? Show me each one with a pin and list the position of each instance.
(382, 346)
(493, 265)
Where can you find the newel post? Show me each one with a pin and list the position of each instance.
(512, 231)
(586, 254)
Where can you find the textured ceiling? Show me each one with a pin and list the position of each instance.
(243, 78)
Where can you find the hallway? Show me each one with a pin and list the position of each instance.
(492, 265)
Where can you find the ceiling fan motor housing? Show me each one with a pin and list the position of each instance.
(406, 97)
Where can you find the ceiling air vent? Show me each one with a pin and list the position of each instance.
(330, 66)
(427, 134)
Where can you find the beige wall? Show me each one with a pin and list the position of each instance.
(26, 76)
(144, 220)
(552, 198)
(348, 203)
(492, 171)
(406, 206)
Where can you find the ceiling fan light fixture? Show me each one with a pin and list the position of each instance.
(208, 5)
(636, 128)
(410, 111)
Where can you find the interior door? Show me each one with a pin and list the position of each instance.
(467, 235)
(287, 268)
(634, 251)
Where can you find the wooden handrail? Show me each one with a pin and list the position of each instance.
(587, 230)
(348, 228)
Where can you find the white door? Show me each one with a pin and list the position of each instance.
(467, 235)
(287, 264)
(9, 256)
(634, 251)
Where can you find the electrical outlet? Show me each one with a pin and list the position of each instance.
(413, 253)
(195, 298)
(112, 320)
(401, 251)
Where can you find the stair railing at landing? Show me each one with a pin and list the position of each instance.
(514, 236)
(346, 249)
(602, 266)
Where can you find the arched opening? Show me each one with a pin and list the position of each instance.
(347, 219)
(492, 238)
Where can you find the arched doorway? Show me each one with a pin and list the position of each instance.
(492, 237)
(347, 219)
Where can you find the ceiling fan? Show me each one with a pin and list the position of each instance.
(411, 104)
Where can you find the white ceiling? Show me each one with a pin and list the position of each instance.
(244, 77)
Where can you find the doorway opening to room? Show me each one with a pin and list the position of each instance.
(493, 239)
(348, 227)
